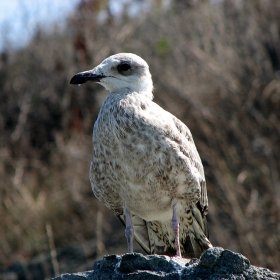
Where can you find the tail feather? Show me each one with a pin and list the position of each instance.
(194, 244)
(147, 238)
(197, 240)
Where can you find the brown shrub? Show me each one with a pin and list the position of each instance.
(215, 66)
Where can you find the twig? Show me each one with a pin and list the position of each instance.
(52, 249)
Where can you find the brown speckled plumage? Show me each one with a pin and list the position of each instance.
(145, 159)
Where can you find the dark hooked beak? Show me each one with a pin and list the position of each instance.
(86, 76)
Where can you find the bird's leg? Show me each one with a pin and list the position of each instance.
(129, 231)
(175, 227)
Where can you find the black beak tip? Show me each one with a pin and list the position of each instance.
(77, 79)
(84, 77)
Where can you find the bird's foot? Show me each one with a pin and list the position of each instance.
(129, 231)
(175, 227)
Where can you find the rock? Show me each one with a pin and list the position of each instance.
(231, 262)
(86, 275)
(215, 263)
(210, 257)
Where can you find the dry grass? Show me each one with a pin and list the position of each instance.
(214, 66)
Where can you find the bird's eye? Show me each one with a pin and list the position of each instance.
(123, 67)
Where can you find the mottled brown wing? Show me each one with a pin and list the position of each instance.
(180, 135)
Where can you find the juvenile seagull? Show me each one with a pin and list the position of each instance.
(145, 166)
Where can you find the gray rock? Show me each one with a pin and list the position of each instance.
(86, 275)
(230, 262)
(215, 263)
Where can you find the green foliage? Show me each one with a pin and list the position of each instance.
(162, 47)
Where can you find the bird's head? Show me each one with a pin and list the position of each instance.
(123, 72)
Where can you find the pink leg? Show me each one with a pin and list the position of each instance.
(175, 227)
(129, 231)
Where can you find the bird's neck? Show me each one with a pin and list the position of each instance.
(146, 91)
(128, 92)
(142, 86)
(145, 87)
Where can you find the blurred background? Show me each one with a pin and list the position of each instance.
(215, 65)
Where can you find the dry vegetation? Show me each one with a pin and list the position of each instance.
(215, 66)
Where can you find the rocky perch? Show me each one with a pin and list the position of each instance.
(215, 263)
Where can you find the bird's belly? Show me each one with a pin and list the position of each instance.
(142, 176)
(148, 204)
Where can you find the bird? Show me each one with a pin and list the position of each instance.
(145, 166)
